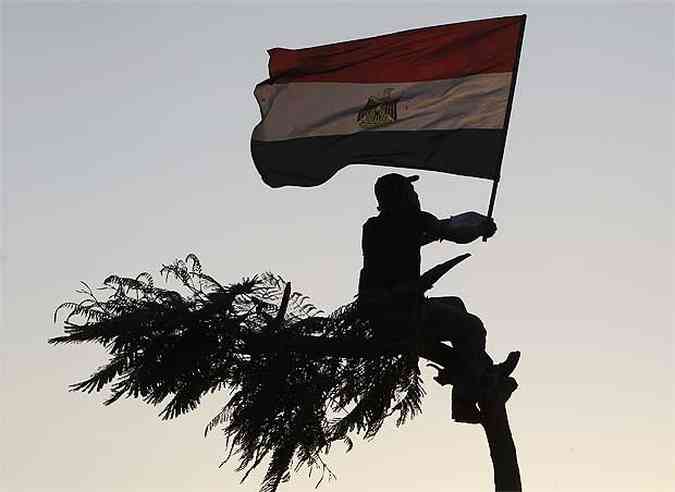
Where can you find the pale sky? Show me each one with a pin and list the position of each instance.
(126, 132)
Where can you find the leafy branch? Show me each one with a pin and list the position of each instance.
(298, 379)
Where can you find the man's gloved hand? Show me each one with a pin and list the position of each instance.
(467, 227)
(489, 227)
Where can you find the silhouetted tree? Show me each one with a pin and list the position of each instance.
(300, 380)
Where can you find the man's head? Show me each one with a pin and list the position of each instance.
(396, 193)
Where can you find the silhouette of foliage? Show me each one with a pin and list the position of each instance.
(286, 406)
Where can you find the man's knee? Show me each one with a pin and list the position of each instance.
(474, 329)
(449, 301)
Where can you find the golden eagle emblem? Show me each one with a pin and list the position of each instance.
(378, 111)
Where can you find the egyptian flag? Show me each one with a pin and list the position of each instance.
(435, 98)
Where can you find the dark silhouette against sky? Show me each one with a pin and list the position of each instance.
(302, 380)
(115, 115)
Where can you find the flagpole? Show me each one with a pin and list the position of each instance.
(495, 182)
(491, 207)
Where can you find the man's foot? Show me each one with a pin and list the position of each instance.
(505, 389)
(496, 385)
(498, 395)
(505, 368)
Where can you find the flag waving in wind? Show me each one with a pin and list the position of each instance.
(435, 98)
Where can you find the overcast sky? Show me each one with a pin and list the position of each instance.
(126, 131)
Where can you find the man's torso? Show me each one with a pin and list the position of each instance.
(391, 257)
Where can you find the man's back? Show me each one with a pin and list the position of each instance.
(391, 254)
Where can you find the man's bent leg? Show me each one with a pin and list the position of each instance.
(445, 318)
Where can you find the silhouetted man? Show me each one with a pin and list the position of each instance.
(389, 294)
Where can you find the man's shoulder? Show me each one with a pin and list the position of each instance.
(383, 220)
(374, 223)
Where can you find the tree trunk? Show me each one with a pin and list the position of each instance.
(502, 448)
(495, 419)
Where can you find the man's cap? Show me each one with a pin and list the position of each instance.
(390, 186)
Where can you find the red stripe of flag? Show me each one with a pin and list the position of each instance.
(441, 52)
